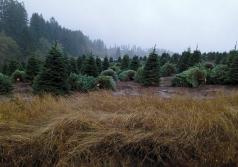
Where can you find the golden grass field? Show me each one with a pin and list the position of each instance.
(99, 129)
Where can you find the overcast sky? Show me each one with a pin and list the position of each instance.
(171, 24)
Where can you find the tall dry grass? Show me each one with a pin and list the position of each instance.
(99, 129)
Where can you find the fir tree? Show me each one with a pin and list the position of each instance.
(135, 63)
(184, 61)
(90, 67)
(111, 60)
(195, 58)
(119, 59)
(32, 68)
(151, 71)
(12, 67)
(105, 64)
(99, 65)
(53, 77)
(79, 63)
(233, 71)
(125, 62)
(73, 65)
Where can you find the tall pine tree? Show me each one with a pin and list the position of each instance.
(151, 71)
(53, 77)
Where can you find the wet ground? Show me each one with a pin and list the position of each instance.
(165, 90)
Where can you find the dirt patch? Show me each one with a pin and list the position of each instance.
(165, 90)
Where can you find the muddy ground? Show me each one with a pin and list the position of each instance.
(165, 89)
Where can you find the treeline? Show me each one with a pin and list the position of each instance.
(20, 38)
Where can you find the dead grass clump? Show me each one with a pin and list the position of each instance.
(99, 129)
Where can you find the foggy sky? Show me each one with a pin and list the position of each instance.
(171, 24)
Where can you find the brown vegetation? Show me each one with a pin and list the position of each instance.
(99, 129)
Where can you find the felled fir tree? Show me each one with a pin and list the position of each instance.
(151, 71)
(53, 77)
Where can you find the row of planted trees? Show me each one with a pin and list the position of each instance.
(59, 74)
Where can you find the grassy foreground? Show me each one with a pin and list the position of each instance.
(99, 129)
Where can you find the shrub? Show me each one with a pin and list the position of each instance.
(111, 73)
(128, 75)
(116, 69)
(139, 75)
(81, 83)
(218, 74)
(5, 84)
(18, 76)
(168, 69)
(192, 77)
(106, 82)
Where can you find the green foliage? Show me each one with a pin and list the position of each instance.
(168, 69)
(32, 68)
(139, 75)
(9, 49)
(5, 84)
(184, 61)
(125, 63)
(218, 74)
(80, 61)
(105, 64)
(90, 67)
(53, 77)
(233, 70)
(81, 83)
(106, 82)
(116, 69)
(18, 76)
(192, 77)
(99, 65)
(151, 72)
(111, 73)
(135, 63)
(12, 67)
(73, 65)
(165, 57)
(195, 58)
(127, 75)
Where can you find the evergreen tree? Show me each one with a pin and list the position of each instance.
(125, 62)
(73, 65)
(53, 77)
(184, 61)
(111, 60)
(90, 67)
(233, 70)
(105, 64)
(165, 58)
(135, 63)
(12, 67)
(119, 59)
(5, 68)
(151, 71)
(195, 58)
(99, 65)
(79, 63)
(32, 68)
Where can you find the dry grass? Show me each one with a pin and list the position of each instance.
(99, 129)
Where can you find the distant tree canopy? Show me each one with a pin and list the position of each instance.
(38, 35)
